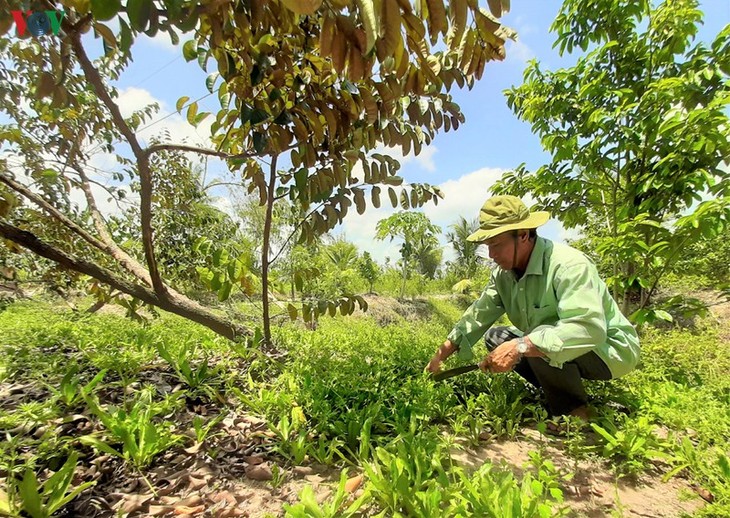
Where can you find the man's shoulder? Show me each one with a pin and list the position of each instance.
(565, 255)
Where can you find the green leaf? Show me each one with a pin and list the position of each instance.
(210, 81)
(190, 50)
(181, 102)
(258, 116)
(367, 12)
(105, 9)
(260, 140)
(100, 445)
(29, 495)
(139, 12)
(192, 112)
(663, 315)
(292, 310)
(225, 291)
(125, 35)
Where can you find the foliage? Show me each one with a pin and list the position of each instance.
(352, 392)
(45, 499)
(336, 506)
(317, 86)
(466, 263)
(632, 444)
(638, 135)
(141, 437)
(71, 392)
(420, 243)
(369, 269)
(198, 377)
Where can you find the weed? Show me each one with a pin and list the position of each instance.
(141, 437)
(631, 444)
(337, 506)
(41, 500)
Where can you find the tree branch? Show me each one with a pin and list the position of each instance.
(127, 261)
(185, 308)
(156, 148)
(53, 211)
(143, 166)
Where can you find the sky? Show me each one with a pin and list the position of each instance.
(463, 163)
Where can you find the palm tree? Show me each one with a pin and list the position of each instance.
(466, 251)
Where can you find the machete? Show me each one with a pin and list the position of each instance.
(454, 372)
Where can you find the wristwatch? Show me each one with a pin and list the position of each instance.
(522, 346)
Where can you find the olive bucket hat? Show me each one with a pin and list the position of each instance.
(501, 214)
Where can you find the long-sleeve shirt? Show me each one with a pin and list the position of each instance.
(560, 304)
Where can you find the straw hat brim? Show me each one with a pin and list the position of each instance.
(534, 220)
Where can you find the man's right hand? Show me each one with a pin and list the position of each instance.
(446, 350)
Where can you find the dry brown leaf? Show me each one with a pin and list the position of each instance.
(195, 448)
(254, 460)
(224, 496)
(353, 483)
(260, 472)
(133, 503)
(196, 483)
(187, 510)
(159, 510)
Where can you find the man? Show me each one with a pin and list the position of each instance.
(567, 327)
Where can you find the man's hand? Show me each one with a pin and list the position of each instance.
(502, 359)
(446, 350)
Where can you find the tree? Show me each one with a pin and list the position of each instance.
(419, 238)
(637, 130)
(369, 269)
(310, 85)
(466, 261)
(341, 253)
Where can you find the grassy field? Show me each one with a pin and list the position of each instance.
(102, 416)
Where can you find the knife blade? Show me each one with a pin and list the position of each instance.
(454, 372)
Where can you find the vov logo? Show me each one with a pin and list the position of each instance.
(37, 23)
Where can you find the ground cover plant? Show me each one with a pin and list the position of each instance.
(103, 416)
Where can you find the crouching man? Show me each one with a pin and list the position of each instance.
(567, 327)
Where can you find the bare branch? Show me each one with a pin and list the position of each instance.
(53, 211)
(127, 261)
(156, 148)
(185, 308)
(143, 166)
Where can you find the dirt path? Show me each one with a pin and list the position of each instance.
(594, 491)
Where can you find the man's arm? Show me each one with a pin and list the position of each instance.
(472, 326)
(582, 321)
(446, 350)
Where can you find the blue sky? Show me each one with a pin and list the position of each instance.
(463, 163)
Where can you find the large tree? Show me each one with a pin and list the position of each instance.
(638, 132)
(306, 89)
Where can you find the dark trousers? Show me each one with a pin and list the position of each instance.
(563, 388)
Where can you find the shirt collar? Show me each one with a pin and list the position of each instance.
(534, 265)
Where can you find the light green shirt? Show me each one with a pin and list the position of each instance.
(561, 304)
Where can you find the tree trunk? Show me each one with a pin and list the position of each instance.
(179, 305)
(265, 250)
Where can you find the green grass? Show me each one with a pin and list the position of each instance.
(353, 394)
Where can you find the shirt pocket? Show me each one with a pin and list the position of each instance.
(545, 315)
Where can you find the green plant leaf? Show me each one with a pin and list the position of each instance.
(139, 12)
(105, 9)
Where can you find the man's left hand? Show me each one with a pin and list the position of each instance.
(502, 359)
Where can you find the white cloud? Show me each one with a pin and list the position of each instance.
(162, 41)
(132, 99)
(463, 196)
(424, 158)
(516, 50)
(360, 230)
